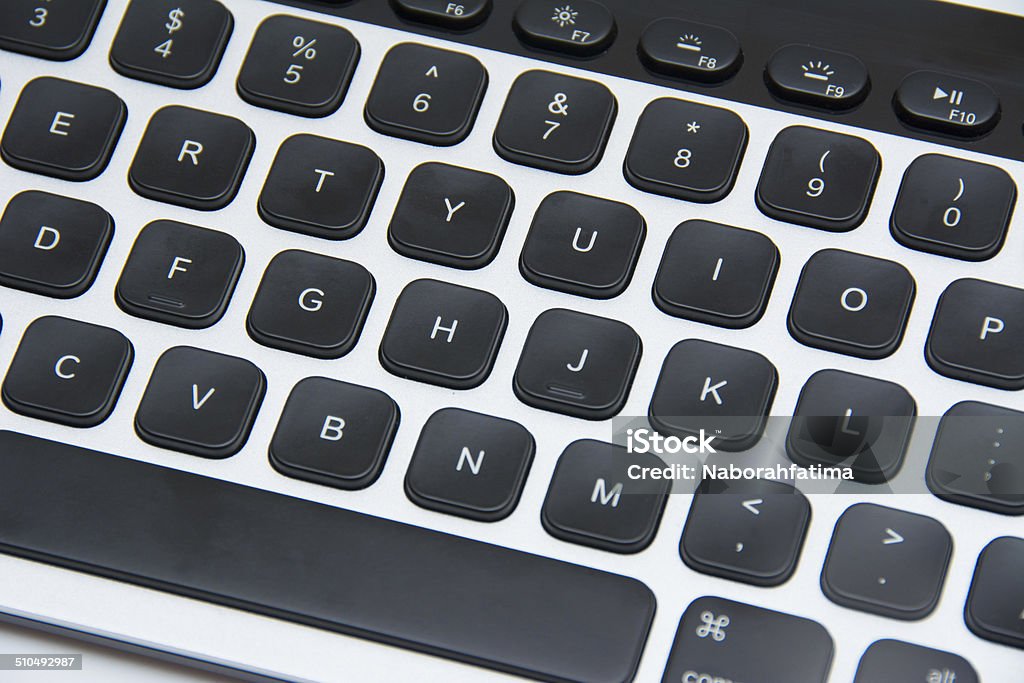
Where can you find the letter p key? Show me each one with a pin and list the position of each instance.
(991, 326)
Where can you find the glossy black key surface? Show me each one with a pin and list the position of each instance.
(818, 178)
(686, 49)
(52, 245)
(49, 30)
(894, 661)
(977, 458)
(853, 304)
(592, 501)
(450, 215)
(177, 43)
(554, 122)
(334, 433)
(298, 66)
(443, 334)
(67, 371)
(469, 464)
(236, 546)
(716, 274)
(686, 150)
(995, 604)
(426, 94)
(200, 402)
(953, 207)
(63, 129)
(180, 274)
(583, 245)
(321, 187)
(886, 561)
(577, 364)
(747, 530)
(947, 104)
(311, 304)
(708, 387)
(460, 14)
(852, 421)
(723, 640)
(583, 27)
(192, 158)
(817, 77)
(977, 334)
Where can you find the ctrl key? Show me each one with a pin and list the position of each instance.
(723, 640)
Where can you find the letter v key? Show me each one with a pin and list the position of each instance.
(197, 402)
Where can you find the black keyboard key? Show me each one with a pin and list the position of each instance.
(706, 387)
(459, 14)
(686, 49)
(995, 605)
(59, 31)
(321, 187)
(749, 531)
(853, 304)
(686, 150)
(443, 334)
(818, 178)
(577, 364)
(180, 274)
(192, 158)
(177, 43)
(67, 371)
(817, 77)
(852, 421)
(947, 104)
(977, 334)
(298, 66)
(200, 402)
(334, 433)
(582, 27)
(894, 661)
(426, 94)
(311, 304)
(592, 501)
(977, 458)
(469, 464)
(554, 122)
(450, 215)
(953, 207)
(716, 274)
(887, 562)
(63, 129)
(722, 640)
(583, 245)
(356, 575)
(52, 245)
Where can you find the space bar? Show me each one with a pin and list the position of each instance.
(317, 565)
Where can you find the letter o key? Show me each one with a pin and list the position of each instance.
(854, 294)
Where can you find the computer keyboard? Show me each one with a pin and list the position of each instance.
(328, 319)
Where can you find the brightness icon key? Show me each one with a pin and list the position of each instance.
(577, 27)
(817, 77)
(686, 49)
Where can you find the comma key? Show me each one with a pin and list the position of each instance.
(723, 640)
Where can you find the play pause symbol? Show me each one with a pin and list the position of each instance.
(955, 96)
